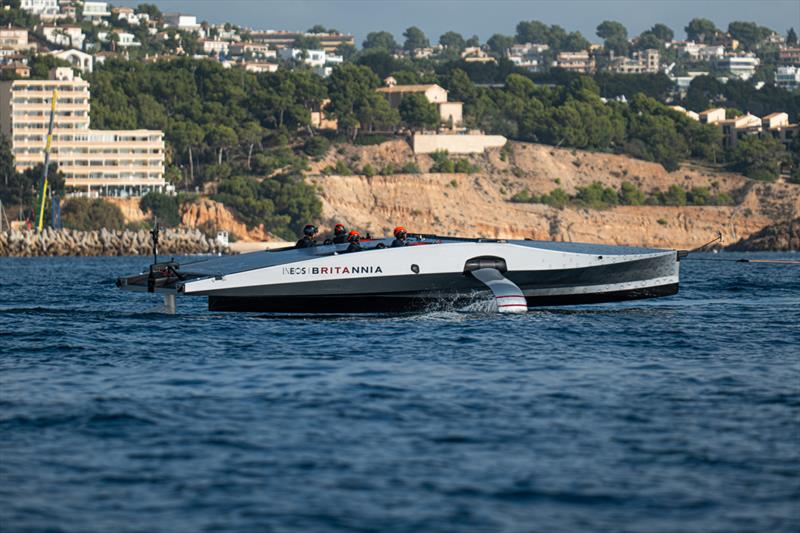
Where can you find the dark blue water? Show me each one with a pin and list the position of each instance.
(679, 414)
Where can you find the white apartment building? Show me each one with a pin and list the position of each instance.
(124, 39)
(740, 66)
(215, 47)
(258, 67)
(788, 78)
(180, 21)
(66, 36)
(581, 62)
(252, 49)
(42, 8)
(312, 58)
(95, 11)
(118, 163)
(646, 61)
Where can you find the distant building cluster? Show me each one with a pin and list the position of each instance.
(775, 125)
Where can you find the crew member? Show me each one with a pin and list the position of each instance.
(339, 234)
(354, 238)
(308, 240)
(400, 236)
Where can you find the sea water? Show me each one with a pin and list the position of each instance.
(676, 414)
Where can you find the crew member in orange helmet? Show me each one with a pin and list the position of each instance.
(400, 235)
(354, 238)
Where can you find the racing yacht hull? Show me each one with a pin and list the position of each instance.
(430, 273)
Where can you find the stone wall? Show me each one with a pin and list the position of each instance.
(51, 242)
(456, 144)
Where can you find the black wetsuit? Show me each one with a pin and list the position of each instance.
(340, 239)
(397, 243)
(354, 247)
(305, 242)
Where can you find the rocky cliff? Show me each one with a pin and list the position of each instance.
(478, 204)
(781, 237)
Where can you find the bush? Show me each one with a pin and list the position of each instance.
(442, 163)
(316, 146)
(557, 198)
(523, 197)
(409, 168)
(675, 196)
(368, 140)
(465, 167)
(85, 214)
(368, 170)
(630, 194)
(596, 196)
(164, 207)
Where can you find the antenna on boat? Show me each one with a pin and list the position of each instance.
(47, 145)
(709, 243)
(154, 237)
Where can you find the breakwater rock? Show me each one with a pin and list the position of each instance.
(52, 242)
(781, 237)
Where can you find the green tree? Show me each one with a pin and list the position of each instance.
(615, 36)
(7, 172)
(791, 37)
(382, 40)
(749, 34)
(305, 42)
(415, 38)
(149, 9)
(317, 28)
(499, 44)
(532, 31)
(354, 101)
(575, 42)
(347, 51)
(452, 41)
(460, 88)
(164, 207)
(760, 159)
(701, 30)
(86, 214)
(417, 112)
(222, 138)
(473, 41)
(663, 32)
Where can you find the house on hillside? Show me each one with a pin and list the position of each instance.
(643, 62)
(66, 36)
(15, 38)
(95, 11)
(581, 62)
(450, 113)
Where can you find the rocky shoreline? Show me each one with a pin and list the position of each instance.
(66, 242)
(781, 237)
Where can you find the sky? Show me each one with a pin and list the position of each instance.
(480, 17)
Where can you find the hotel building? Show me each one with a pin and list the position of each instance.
(94, 162)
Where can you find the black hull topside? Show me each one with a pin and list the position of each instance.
(394, 303)
(629, 280)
